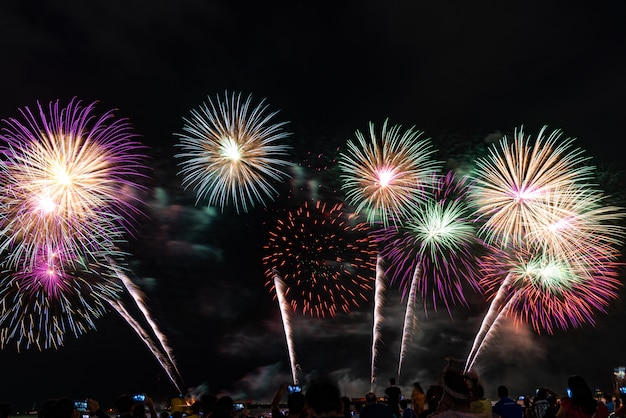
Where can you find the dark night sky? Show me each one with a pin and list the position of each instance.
(452, 69)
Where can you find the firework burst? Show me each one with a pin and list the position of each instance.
(551, 291)
(325, 257)
(513, 184)
(436, 246)
(68, 179)
(575, 223)
(384, 175)
(69, 183)
(555, 254)
(40, 306)
(231, 152)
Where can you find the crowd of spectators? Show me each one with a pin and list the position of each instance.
(454, 395)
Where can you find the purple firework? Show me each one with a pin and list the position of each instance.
(435, 248)
(69, 178)
(54, 297)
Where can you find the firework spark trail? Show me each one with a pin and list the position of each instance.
(489, 319)
(410, 318)
(385, 176)
(231, 152)
(285, 313)
(485, 340)
(137, 296)
(145, 337)
(433, 253)
(326, 259)
(69, 183)
(379, 301)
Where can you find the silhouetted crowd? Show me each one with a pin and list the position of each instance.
(455, 395)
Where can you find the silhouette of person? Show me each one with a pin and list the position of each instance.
(346, 407)
(456, 397)
(223, 407)
(208, 400)
(124, 405)
(620, 407)
(62, 408)
(418, 398)
(433, 395)
(580, 402)
(139, 409)
(66, 408)
(407, 411)
(295, 402)
(393, 393)
(323, 399)
(507, 407)
(357, 410)
(43, 412)
(481, 405)
(373, 409)
(540, 403)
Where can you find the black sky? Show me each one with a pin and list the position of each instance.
(449, 68)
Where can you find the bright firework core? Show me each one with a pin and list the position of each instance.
(551, 276)
(46, 204)
(230, 149)
(385, 176)
(523, 195)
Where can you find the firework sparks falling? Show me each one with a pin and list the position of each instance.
(231, 152)
(547, 291)
(68, 195)
(325, 257)
(383, 176)
(39, 307)
(576, 221)
(68, 179)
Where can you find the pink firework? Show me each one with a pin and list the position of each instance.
(54, 297)
(69, 178)
(551, 292)
(436, 246)
(555, 239)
